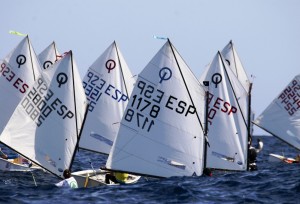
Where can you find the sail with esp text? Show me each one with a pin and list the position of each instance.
(161, 133)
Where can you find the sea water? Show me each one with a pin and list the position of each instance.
(272, 183)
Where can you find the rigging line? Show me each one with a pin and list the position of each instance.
(30, 49)
(121, 67)
(220, 55)
(32, 176)
(185, 83)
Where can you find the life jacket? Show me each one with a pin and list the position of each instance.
(121, 177)
(72, 182)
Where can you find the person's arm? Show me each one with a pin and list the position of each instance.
(61, 183)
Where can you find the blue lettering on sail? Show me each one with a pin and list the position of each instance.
(96, 87)
(40, 102)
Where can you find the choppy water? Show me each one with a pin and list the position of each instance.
(272, 183)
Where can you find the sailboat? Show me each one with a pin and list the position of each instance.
(46, 125)
(281, 117)
(161, 132)
(108, 84)
(233, 61)
(49, 56)
(227, 124)
(19, 70)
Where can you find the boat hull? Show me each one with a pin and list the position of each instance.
(10, 165)
(280, 158)
(93, 178)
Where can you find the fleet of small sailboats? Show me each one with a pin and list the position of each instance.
(164, 123)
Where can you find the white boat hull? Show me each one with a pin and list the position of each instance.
(93, 178)
(279, 158)
(10, 165)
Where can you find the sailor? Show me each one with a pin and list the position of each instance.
(69, 180)
(253, 154)
(116, 177)
(207, 172)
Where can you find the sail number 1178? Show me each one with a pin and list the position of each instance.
(142, 106)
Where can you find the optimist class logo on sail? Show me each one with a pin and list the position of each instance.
(147, 101)
(218, 103)
(41, 101)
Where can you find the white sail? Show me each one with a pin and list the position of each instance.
(49, 56)
(160, 133)
(227, 126)
(18, 71)
(281, 117)
(233, 61)
(46, 124)
(108, 84)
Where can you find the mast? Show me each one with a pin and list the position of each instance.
(79, 136)
(249, 124)
(75, 111)
(206, 83)
(29, 45)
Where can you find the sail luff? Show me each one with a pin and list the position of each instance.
(31, 60)
(234, 59)
(121, 68)
(55, 50)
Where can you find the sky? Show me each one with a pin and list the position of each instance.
(266, 34)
